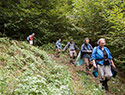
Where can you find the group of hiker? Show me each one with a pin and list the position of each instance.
(98, 57)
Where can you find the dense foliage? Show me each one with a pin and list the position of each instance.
(51, 19)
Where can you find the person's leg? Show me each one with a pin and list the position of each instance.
(57, 52)
(31, 43)
(108, 75)
(106, 84)
(86, 61)
(90, 64)
(74, 56)
(71, 56)
(101, 75)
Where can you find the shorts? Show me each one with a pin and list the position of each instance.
(72, 53)
(104, 72)
(31, 42)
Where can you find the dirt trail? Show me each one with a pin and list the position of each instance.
(77, 80)
(73, 70)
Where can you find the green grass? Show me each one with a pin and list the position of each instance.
(117, 85)
(89, 85)
(26, 70)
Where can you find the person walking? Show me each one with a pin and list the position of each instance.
(58, 48)
(72, 50)
(86, 51)
(30, 38)
(102, 60)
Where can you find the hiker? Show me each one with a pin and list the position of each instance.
(102, 60)
(86, 51)
(58, 47)
(72, 50)
(30, 38)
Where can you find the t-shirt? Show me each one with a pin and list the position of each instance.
(105, 54)
(31, 38)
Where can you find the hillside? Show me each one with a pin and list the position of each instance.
(26, 70)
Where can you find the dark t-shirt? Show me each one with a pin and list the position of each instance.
(105, 54)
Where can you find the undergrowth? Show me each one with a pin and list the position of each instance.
(26, 70)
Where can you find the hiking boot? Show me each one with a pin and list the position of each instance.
(106, 85)
(71, 61)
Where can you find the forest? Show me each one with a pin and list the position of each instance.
(77, 19)
(66, 19)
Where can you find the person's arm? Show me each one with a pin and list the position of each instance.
(91, 48)
(76, 47)
(110, 57)
(113, 64)
(83, 50)
(66, 46)
(94, 63)
(94, 57)
(57, 44)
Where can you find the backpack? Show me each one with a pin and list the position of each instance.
(28, 38)
(71, 43)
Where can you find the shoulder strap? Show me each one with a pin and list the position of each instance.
(69, 44)
(83, 45)
(96, 47)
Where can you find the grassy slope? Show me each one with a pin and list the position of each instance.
(28, 70)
